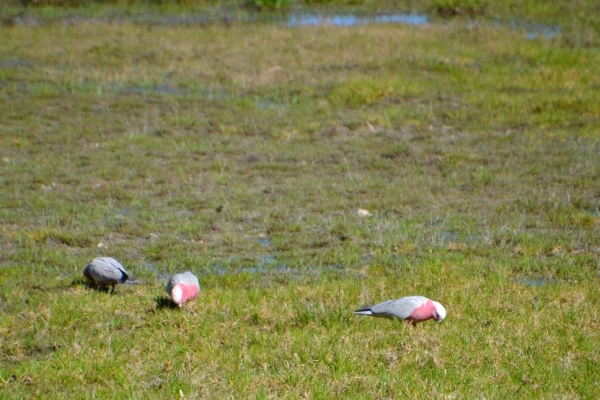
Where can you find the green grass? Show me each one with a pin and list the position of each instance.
(475, 149)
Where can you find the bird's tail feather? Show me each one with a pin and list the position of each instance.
(364, 311)
(132, 280)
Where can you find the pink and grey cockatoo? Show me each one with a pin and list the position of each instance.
(183, 287)
(107, 271)
(412, 309)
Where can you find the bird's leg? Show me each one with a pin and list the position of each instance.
(113, 288)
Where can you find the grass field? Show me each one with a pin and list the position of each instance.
(475, 149)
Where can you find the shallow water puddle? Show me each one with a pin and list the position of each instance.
(291, 19)
(268, 259)
(308, 19)
(155, 89)
(535, 280)
(355, 20)
(16, 64)
(267, 265)
(265, 241)
(533, 31)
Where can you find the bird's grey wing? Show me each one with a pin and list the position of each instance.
(401, 308)
(422, 299)
(118, 266)
(126, 276)
(186, 277)
(104, 271)
(190, 278)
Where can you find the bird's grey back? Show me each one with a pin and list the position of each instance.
(185, 277)
(107, 270)
(401, 308)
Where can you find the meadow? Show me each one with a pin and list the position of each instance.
(242, 152)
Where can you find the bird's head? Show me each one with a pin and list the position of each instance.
(87, 274)
(440, 312)
(177, 295)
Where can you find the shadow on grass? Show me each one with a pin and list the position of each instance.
(80, 281)
(89, 285)
(165, 302)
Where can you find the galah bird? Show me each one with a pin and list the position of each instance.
(412, 309)
(183, 287)
(107, 271)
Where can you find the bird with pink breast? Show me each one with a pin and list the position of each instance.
(411, 309)
(182, 288)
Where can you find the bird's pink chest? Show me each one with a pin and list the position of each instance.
(188, 292)
(424, 312)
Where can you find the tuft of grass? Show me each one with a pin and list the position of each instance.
(452, 8)
(265, 4)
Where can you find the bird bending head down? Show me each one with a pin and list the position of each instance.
(106, 271)
(412, 309)
(183, 287)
